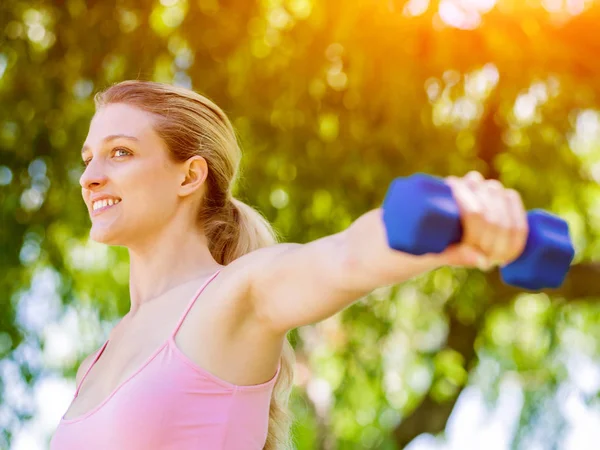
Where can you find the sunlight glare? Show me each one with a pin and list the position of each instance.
(464, 14)
(416, 7)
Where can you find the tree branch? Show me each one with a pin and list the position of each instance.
(582, 283)
(431, 416)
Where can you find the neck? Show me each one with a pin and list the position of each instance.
(165, 262)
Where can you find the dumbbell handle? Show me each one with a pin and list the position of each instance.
(421, 216)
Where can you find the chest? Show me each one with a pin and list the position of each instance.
(134, 343)
(209, 333)
(136, 413)
(121, 359)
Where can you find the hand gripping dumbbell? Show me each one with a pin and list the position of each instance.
(421, 216)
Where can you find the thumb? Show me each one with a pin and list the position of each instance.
(463, 255)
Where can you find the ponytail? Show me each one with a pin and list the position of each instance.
(237, 230)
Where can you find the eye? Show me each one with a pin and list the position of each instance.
(116, 150)
(121, 149)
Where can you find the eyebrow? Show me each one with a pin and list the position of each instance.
(112, 137)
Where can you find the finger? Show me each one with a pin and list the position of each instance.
(473, 229)
(466, 200)
(520, 227)
(495, 233)
(474, 181)
(474, 178)
(464, 255)
(471, 214)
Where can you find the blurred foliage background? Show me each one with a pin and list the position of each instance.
(332, 99)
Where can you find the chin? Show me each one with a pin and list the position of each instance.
(105, 236)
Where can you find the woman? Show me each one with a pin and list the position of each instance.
(201, 360)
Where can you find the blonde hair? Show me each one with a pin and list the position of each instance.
(190, 124)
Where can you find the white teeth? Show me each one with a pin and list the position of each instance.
(103, 203)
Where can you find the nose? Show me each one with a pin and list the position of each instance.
(93, 177)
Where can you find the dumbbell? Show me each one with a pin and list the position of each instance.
(421, 216)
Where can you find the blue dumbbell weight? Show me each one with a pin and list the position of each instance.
(421, 216)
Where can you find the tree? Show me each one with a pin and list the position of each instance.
(332, 100)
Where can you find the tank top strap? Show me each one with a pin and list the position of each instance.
(98, 354)
(192, 301)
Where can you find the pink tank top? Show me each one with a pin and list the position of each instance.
(170, 403)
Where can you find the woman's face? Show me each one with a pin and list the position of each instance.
(128, 165)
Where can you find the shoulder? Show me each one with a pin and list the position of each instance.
(239, 280)
(247, 268)
(250, 260)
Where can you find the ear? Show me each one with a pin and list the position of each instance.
(193, 175)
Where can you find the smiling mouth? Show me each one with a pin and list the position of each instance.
(104, 207)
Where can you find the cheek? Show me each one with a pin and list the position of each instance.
(148, 187)
(155, 190)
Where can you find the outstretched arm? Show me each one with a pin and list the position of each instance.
(291, 285)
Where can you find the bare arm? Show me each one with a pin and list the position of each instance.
(293, 284)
